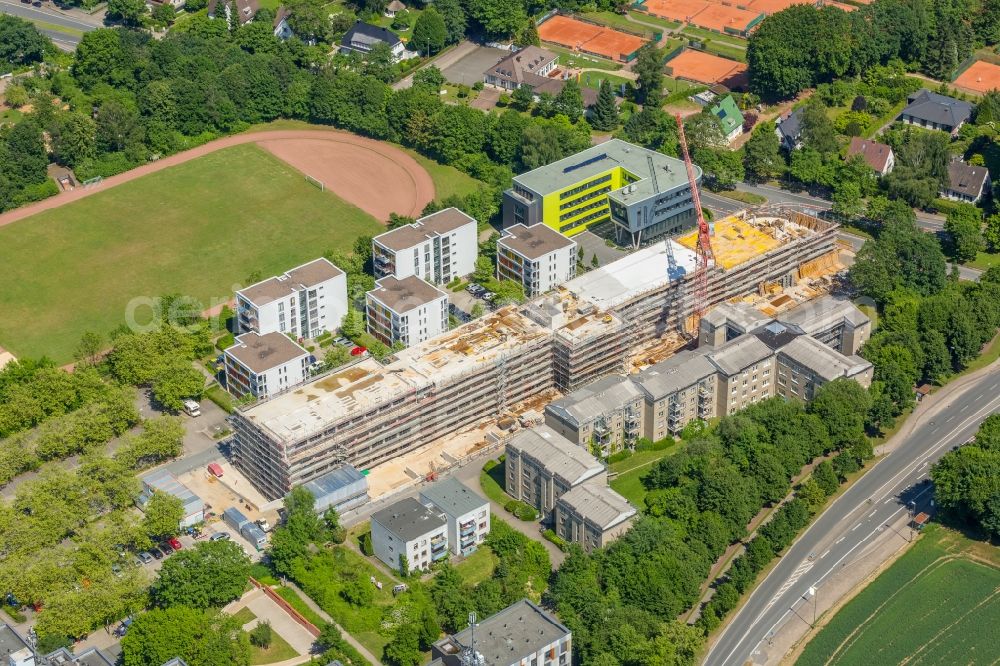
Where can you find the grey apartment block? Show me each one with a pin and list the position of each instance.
(605, 415)
(519, 635)
(408, 528)
(592, 516)
(542, 465)
(677, 391)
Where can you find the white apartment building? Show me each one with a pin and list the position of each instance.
(438, 248)
(408, 310)
(408, 528)
(468, 514)
(264, 365)
(303, 302)
(538, 257)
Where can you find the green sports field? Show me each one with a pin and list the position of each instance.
(197, 229)
(938, 604)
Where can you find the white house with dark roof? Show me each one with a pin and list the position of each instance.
(411, 530)
(876, 155)
(528, 67)
(362, 38)
(933, 111)
(438, 248)
(409, 311)
(966, 182)
(263, 365)
(303, 302)
(282, 29)
(789, 129)
(538, 257)
(467, 513)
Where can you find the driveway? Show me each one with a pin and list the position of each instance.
(593, 244)
(470, 67)
(281, 622)
(442, 62)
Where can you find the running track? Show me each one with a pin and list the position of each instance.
(407, 195)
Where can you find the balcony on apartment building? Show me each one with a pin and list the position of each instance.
(467, 528)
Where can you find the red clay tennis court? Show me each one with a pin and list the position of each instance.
(706, 68)
(590, 38)
(980, 77)
(723, 18)
(676, 10)
(774, 6)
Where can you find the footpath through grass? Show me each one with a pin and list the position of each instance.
(939, 603)
(196, 229)
(628, 482)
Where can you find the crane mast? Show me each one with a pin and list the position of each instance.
(703, 248)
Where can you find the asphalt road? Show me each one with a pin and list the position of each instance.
(877, 502)
(71, 19)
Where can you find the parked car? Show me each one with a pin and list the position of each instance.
(145, 557)
(136, 561)
(215, 469)
(263, 524)
(156, 553)
(219, 536)
(116, 570)
(175, 543)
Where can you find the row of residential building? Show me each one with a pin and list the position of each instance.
(743, 357)
(925, 109)
(589, 327)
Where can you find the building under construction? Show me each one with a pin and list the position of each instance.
(368, 413)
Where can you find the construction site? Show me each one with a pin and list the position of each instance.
(434, 403)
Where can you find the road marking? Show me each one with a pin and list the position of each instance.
(824, 554)
(891, 499)
(872, 513)
(840, 539)
(856, 527)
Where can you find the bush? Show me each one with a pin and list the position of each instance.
(620, 456)
(556, 539)
(490, 464)
(261, 635)
(478, 85)
(262, 574)
(365, 544)
(225, 342)
(521, 510)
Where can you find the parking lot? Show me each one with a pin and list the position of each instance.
(593, 244)
(470, 69)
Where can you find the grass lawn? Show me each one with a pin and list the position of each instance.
(298, 603)
(629, 473)
(701, 33)
(984, 260)
(493, 484)
(573, 59)
(10, 116)
(745, 197)
(479, 566)
(939, 603)
(448, 181)
(593, 80)
(76, 268)
(614, 20)
(279, 650)
(244, 615)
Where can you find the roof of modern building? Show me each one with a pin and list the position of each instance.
(728, 114)
(738, 354)
(601, 158)
(966, 179)
(404, 295)
(823, 314)
(409, 519)
(519, 630)
(535, 241)
(741, 316)
(63, 657)
(453, 497)
(598, 504)
(301, 277)
(790, 125)
(521, 67)
(875, 154)
(675, 373)
(10, 641)
(824, 361)
(556, 454)
(261, 353)
(410, 235)
(633, 274)
(369, 34)
(164, 481)
(941, 109)
(591, 401)
(344, 479)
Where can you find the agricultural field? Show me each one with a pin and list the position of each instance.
(197, 228)
(939, 603)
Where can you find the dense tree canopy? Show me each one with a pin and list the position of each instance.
(210, 575)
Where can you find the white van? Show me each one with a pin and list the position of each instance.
(192, 408)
